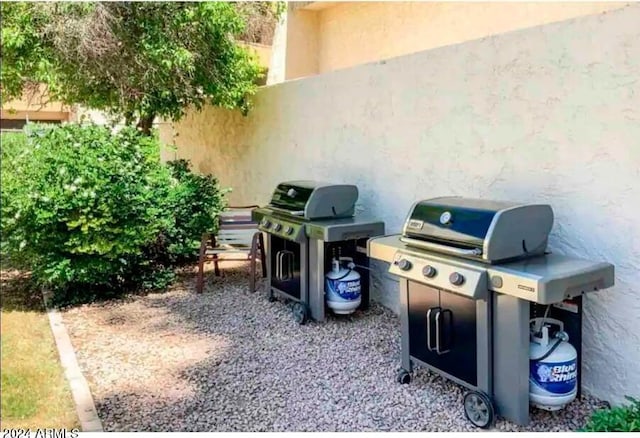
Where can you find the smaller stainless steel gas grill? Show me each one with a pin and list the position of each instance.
(472, 275)
(307, 224)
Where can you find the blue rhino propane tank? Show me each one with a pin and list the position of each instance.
(342, 287)
(553, 366)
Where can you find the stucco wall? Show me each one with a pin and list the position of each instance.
(302, 43)
(35, 105)
(351, 33)
(547, 114)
(277, 61)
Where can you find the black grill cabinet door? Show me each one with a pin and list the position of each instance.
(462, 358)
(458, 341)
(424, 303)
(291, 283)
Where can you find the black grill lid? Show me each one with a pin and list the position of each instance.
(486, 229)
(315, 199)
(455, 220)
(292, 195)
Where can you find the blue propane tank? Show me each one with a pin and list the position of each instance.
(342, 287)
(553, 366)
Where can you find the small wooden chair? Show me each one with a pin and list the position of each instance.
(237, 234)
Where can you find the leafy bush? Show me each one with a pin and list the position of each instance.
(94, 213)
(11, 145)
(618, 419)
(195, 200)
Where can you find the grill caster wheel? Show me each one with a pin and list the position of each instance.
(300, 313)
(403, 377)
(478, 409)
(271, 297)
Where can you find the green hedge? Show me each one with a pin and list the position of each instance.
(94, 213)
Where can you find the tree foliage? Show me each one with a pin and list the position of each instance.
(261, 19)
(137, 60)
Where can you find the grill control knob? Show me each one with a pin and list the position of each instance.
(289, 230)
(429, 271)
(404, 264)
(456, 279)
(266, 223)
(277, 227)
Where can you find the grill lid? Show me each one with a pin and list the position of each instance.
(315, 199)
(482, 229)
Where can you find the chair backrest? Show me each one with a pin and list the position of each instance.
(235, 227)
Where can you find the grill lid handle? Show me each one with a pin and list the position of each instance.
(442, 248)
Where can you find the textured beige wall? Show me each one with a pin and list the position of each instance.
(35, 106)
(345, 34)
(547, 114)
(261, 51)
(302, 43)
(277, 63)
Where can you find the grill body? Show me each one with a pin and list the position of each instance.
(467, 293)
(302, 240)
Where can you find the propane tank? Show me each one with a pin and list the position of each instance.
(342, 286)
(553, 366)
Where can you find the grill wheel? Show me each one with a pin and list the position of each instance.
(300, 313)
(478, 409)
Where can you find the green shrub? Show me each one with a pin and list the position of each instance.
(196, 200)
(618, 419)
(94, 213)
(11, 144)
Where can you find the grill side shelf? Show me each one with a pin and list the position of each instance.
(550, 279)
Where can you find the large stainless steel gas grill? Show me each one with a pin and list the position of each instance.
(472, 275)
(307, 223)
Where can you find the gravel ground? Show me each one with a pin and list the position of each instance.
(228, 360)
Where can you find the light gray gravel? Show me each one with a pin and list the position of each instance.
(229, 360)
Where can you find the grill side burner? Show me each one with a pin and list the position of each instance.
(468, 288)
(307, 223)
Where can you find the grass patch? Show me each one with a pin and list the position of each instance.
(35, 393)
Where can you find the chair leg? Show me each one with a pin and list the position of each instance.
(201, 259)
(263, 261)
(252, 261)
(216, 268)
